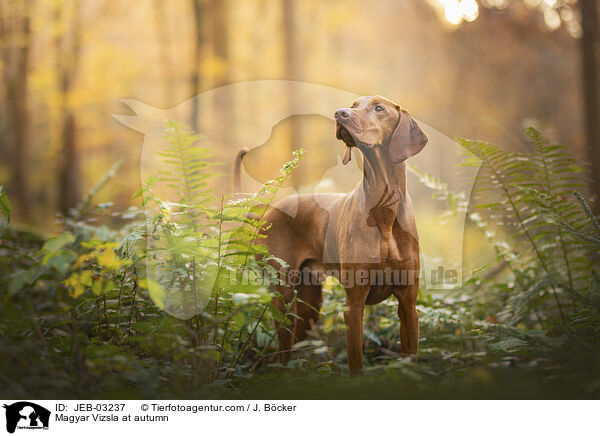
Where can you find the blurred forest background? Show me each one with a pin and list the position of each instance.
(480, 69)
(93, 258)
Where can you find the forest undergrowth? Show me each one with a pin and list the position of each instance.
(154, 301)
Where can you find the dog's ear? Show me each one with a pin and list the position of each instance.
(407, 139)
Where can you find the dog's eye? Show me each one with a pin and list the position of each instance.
(378, 108)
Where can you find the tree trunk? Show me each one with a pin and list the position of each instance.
(164, 55)
(224, 102)
(292, 73)
(68, 48)
(69, 174)
(199, 13)
(15, 33)
(589, 57)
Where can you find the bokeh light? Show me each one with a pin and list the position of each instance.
(552, 19)
(554, 13)
(457, 11)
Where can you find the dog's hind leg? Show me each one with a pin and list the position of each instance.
(304, 311)
(285, 329)
(307, 308)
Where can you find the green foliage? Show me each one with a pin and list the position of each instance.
(5, 209)
(456, 201)
(201, 256)
(88, 313)
(527, 196)
(549, 311)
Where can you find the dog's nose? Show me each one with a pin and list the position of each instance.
(341, 113)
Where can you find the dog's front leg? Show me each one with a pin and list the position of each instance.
(356, 298)
(409, 318)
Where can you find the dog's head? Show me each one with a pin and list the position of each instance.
(374, 121)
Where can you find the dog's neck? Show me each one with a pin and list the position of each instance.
(381, 178)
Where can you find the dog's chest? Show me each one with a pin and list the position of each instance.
(380, 236)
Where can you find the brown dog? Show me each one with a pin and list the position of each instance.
(367, 237)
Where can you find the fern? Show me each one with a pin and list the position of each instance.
(554, 258)
(5, 208)
(456, 201)
(178, 260)
(189, 170)
(127, 246)
(559, 175)
(590, 241)
(527, 195)
(202, 248)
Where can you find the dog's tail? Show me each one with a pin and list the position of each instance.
(236, 182)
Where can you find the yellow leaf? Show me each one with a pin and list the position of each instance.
(77, 282)
(108, 259)
(76, 291)
(80, 261)
(157, 293)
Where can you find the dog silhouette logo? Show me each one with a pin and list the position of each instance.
(26, 415)
(263, 132)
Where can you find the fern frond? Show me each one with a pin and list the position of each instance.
(456, 201)
(531, 192)
(127, 246)
(588, 211)
(189, 168)
(5, 208)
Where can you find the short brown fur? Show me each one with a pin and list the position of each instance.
(369, 228)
